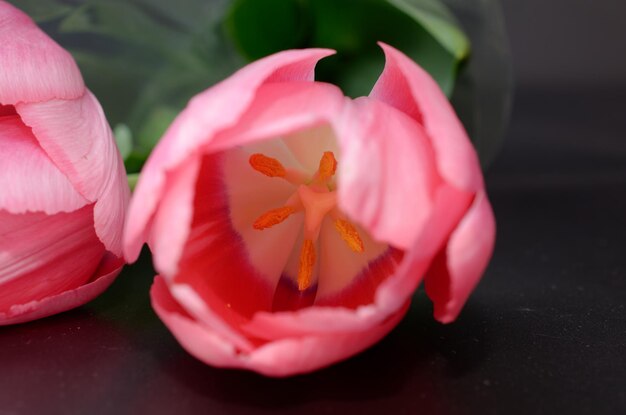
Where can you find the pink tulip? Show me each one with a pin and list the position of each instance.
(63, 190)
(291, 225)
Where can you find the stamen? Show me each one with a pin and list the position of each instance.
(328, 166)
(273, 217)
(267, 165)
(307, 263)
(349, 234)
(316, 205)
(316, 197)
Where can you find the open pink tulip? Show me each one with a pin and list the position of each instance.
(63, 190)
(291, 225)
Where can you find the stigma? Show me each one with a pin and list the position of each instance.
(315, 197)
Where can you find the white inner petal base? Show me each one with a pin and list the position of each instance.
(276, 251)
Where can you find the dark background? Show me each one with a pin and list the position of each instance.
(569, 44)
(545, 331)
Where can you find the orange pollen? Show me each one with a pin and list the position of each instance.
(328, 165)
(306, 265)
(273, 217)
(267, 165)
(349, 234)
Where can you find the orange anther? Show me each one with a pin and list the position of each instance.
(349, 234)
(307, 263)
(267, 165)
(328, 165)
(273, 217)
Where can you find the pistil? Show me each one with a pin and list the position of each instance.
(316, 198)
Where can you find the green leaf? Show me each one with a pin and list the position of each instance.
(423, 29)
(254, 15)
(439, 22)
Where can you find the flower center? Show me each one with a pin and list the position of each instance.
(314, 196)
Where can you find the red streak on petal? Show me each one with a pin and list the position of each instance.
(215, 261)
(363, 288)
(6, 110)
(438, 288)
(288, 297)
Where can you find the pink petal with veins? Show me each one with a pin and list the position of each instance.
(34, 67)
(76, 137)
(29, 180)
(38, 254)
(104, 276)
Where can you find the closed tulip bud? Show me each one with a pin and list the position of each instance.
(63, 190)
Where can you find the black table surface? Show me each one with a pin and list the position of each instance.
(544, 332)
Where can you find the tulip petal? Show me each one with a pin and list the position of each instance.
(300, 111)
(387, 177)
(216, 321)
(449, 208)
(104, 276)
(34, 67)
(43, 255)
(77, 138)
(459, 266)
(30, 182)
(171, 223)
(210, 112)
(308, 353)
(407, 87)
(280, 358)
